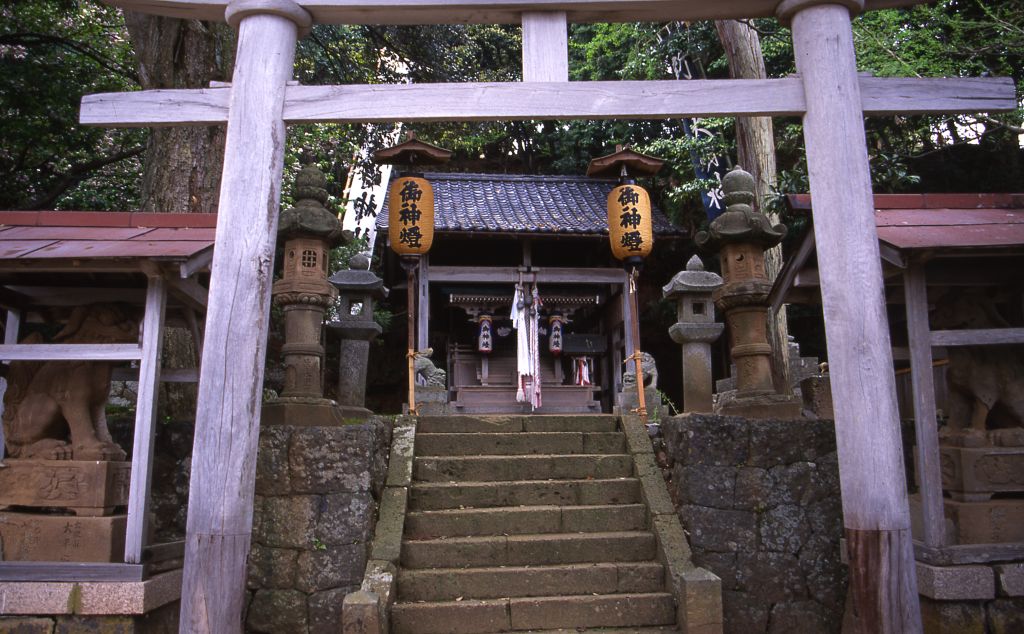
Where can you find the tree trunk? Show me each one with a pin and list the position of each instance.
(182, 164)
(755, 152)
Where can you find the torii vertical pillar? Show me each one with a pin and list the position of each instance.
(875, 510)
(231, 379)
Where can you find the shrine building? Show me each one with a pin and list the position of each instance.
(494, 231)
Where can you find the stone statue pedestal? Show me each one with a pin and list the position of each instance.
(85, 487)
(38, 537)
(310, 412)
(91, 490)
(758, 404)
(626, 402)
(976, 466)
(431, 400)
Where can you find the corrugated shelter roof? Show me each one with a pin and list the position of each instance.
(74, 235)
(517, 204)
(935, 221)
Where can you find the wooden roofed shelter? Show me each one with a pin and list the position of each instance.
(262, 100)
(53, 261)
(932, 245)
(492, 231)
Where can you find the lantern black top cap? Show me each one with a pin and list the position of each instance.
(413, 152)
(636, 164)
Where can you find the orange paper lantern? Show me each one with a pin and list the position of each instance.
(411, 215)
(629, 222)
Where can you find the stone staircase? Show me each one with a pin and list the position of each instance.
(542, 523)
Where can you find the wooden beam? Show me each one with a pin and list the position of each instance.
(480, 12)
(145, 418)
(71, 352)
(546, 100)
(76, 295)
(787, 277)
(926, 427)
(61, 571)
(979, 337)
(167, 375)
(423, 305)
(545, 46)
(227, 427)
(196, 263)
(189, 292)
(876, 515)
(892, 255)
(510, 274)
(961, 554)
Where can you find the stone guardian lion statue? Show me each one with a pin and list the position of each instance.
(650, 371)
(55, 410)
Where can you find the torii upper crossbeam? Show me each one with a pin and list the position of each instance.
(829, 94)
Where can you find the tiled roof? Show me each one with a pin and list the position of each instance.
(498, 203)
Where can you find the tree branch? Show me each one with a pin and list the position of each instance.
(37, 39)
(76, 174)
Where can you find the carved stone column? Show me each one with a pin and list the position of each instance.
(359, 289)
(303, 293)
(695, 329)
(742, 235)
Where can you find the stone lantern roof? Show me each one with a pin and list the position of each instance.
(309, 218)
(740, 222)
(693, 280)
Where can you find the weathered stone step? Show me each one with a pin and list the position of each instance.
(530, 467)
(518, 443)
(500, 615)
(525, 520)
(513, 423)
(431, 496)
(528, 550)
(612, 630)
(654, 630)
(448, 584)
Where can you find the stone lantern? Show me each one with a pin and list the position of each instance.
(695, 329)
(309, 231)
(741, 235)
(359, 289)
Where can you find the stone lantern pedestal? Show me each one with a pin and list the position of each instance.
(741, 235)
(358, 291)
(695, 330)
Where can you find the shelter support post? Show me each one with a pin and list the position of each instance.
(145, 418)
(875, 508)
(635, 331)
(929, 474)
(423, 303)
(231, 376)
(409, 264)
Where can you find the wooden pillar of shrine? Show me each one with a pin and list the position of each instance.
(875, 510)
(231, 379)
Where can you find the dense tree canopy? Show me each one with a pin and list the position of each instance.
(54, 51)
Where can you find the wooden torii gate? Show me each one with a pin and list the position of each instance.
(261, 100)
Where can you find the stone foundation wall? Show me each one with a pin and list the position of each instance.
(317, 490)
(163, 620)
(760, 501)
(999, 616)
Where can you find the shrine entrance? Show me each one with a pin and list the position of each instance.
(494, 233)
(828, 93)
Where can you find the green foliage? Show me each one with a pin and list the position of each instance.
(52, 53)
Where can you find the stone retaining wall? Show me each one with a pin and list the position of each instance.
(761, 504)
(317, 490)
